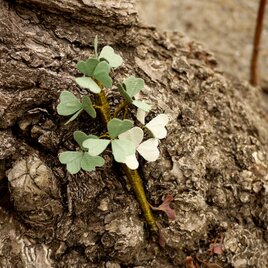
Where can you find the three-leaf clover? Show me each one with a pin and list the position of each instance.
(130, 89)
(71, 105)
(147, 149)
(97, 69)
(77, 160)
(120, 148)
(94, 70)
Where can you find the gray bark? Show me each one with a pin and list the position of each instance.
(213, 159)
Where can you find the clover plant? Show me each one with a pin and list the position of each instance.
(119, 130)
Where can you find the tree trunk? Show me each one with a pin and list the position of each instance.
(213, 160)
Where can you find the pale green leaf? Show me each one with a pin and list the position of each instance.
(72, 160)
(76, 160)
(101, 73)
(108, 54)
(124, 94)
(157, 126)
(95, 146)
(134, 135)
(88, 107)
(80, 136)
(133, 85)
(89, 162)
(117, 126)
(74, 117)
(148, 149)
(69, 104)
(121, 149)
(87, 67)
(142, 105)
(88, 83)
(141, 115)
(131, 162)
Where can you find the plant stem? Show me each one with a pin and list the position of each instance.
(136, 183)
(132, 175)
(103, 106)
(120, 107)
(254, 79)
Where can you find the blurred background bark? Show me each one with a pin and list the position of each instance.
(225, 27)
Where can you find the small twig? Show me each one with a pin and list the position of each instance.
(254, 79)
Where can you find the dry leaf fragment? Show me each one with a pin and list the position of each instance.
(189, 262)
(165, 207)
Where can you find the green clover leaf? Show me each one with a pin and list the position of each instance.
(80, 136)
(99, 72)
(117, 126)
(130, 88)
(121, 149)
(70, 105)
(76, 160)
(95, 146)
(133, 85)
(89, 162)
(72, 160)
(142, 105)
(88, 83)
(109, 55)
(124, 93)
(87, 67)
(88, 107)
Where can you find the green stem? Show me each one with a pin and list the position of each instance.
(120, 107)
(137, 185)
(132, 175)
(103, 108)
(104, 135)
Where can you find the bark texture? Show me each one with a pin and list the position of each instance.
(214, 159)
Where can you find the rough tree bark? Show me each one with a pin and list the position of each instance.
(213, 160)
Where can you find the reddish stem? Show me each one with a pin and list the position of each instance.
(254, 79)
